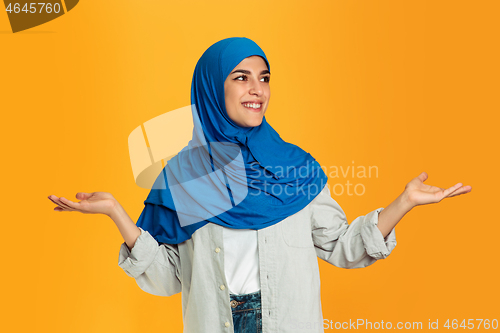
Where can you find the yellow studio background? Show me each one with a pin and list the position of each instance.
(404, 86)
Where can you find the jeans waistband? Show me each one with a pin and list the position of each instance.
(245, 301)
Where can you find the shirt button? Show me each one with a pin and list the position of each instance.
(226, 324)
(217, 250)
(222, 287)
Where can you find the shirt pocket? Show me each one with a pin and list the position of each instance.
(297, 232)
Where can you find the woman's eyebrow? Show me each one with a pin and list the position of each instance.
(244, 71)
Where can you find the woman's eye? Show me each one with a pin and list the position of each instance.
(245, 78)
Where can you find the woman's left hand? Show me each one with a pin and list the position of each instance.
(418, 193)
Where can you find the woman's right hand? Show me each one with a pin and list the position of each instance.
(90, 203)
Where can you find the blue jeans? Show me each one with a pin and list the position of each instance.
(247, 312)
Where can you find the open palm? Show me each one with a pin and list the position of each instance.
(421, 194)
(90, 203)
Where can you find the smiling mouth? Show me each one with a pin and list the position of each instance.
(252, 106)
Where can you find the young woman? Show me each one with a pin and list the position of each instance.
(237, 219)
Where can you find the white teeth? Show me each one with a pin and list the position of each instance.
(252, 105)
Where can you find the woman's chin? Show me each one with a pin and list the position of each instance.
(254, 123)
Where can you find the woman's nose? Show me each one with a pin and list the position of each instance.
(256, 88)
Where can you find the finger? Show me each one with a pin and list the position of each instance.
(67, 202)
(458, 188)
(59, 208)
(423, 176)
(456, 193)
(448, 192)
(452, 189)
(56, 202)
(463, 190)
(61, 204)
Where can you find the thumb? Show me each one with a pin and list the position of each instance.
(423, 176)
(83, 195)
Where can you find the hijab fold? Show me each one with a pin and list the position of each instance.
(236, 177)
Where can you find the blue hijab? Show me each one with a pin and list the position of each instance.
(237, 177)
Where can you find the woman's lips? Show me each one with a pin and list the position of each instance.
(253, 109)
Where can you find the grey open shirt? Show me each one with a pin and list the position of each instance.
(289, 273)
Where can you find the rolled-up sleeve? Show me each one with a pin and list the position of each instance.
(156, 268)
(355, 245)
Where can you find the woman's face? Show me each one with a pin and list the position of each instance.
(247, 92)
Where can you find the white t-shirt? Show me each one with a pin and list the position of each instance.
(241, 260)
